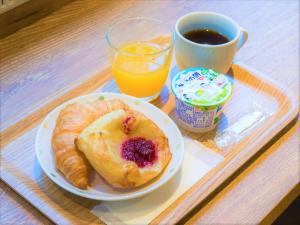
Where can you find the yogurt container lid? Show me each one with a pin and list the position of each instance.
(201, 87)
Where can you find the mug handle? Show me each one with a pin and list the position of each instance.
(243, 38)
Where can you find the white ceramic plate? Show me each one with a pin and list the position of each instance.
(98, 189)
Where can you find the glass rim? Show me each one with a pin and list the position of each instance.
(111, 26)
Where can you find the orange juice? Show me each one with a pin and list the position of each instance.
(141, 68)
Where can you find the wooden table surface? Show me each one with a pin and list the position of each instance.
(53, 55)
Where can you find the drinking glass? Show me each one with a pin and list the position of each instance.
(140, 51)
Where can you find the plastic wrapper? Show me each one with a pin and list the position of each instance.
(242, 127)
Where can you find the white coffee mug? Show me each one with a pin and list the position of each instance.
(217, 57)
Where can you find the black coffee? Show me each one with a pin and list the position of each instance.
(206, 36)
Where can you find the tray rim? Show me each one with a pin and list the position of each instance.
(220, 173)
(283, 122)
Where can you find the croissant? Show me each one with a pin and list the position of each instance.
(69, 124)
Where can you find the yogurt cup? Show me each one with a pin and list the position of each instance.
(200, 96)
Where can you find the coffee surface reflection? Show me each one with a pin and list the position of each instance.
(206, 36)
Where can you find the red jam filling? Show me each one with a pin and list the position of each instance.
(139, 150)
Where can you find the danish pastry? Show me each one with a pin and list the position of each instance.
(125, 148)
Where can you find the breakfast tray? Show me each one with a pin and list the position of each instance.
(257, 111)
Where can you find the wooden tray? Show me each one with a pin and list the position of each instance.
(21, 171)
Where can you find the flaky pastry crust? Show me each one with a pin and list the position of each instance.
(101, 143)
(69, 124)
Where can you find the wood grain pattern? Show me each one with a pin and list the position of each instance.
(9, 199)
(31, 120)
(67, 47)
(79, 30)
(26, 14)
(277, 166)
